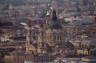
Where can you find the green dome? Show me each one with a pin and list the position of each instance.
(55, 25)
(94, 51)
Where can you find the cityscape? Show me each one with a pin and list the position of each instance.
(47, 31)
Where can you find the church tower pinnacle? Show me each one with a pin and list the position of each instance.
(55, 24)
(54, 15)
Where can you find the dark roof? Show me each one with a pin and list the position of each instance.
(6, 24)
(66, 45)
(19, 38)
(1, 32)
(10, 25)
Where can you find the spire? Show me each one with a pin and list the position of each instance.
(54, 16)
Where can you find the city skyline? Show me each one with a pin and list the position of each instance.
(43, 31)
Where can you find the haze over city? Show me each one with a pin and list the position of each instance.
(47, 31)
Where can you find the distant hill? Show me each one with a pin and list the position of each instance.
(21, 2)
(14, 2)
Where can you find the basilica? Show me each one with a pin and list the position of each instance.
(54, 35)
